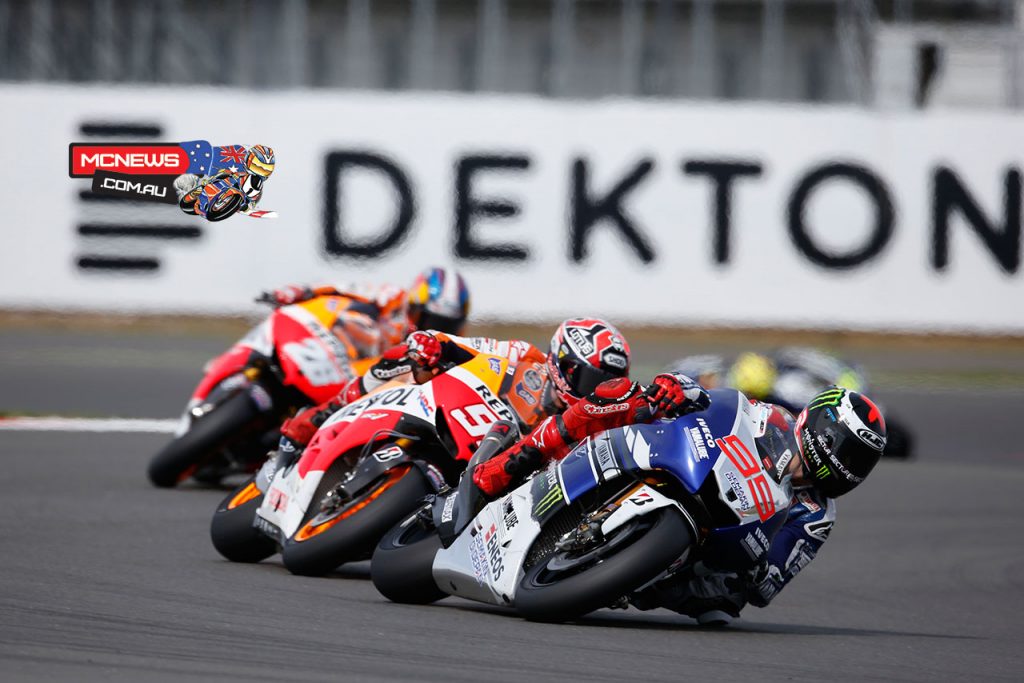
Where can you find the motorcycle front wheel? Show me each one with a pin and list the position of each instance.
(231, 528)
(350, 532)
(179, 459)
(564, 585)
(402, 565)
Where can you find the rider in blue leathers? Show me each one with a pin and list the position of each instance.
(825, 452)
(822, 454)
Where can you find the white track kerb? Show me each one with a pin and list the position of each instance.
(87, 424)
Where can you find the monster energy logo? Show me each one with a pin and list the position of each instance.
(822, 472)
(550, 499)
(829, 397)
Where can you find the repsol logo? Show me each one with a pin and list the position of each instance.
(590, 210)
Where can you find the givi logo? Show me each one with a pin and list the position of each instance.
(127, 158)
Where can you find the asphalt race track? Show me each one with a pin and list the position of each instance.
(106, 578)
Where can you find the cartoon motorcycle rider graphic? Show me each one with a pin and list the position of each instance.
(230, 189)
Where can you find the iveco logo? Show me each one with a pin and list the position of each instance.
(871, 438)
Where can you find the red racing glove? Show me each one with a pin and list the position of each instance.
(291, 294)
(424, 349)
(673, 394)
(306, 422)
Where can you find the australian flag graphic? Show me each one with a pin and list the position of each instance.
(205, 159)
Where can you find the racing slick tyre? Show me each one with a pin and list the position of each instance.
(564, 585)
(350, 532)
(231, 529)
(179, 459)
(402, 566)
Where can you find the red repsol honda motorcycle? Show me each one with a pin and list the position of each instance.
(299, 355)
(369, 465)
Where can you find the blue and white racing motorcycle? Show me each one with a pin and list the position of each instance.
(624, 509)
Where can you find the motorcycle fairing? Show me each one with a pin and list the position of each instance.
(232, 361)
(290, 324)
(312, 358)
(485, 561)
(394, 407)
(468, 420)
(670, 445)
(358, 422)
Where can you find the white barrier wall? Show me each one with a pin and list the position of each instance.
(640, 212)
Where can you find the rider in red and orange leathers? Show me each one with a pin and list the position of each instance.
(438, 299)
(587, 391)
(588, 365)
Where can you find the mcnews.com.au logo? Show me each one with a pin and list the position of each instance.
(214, 182)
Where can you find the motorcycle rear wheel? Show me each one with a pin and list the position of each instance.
(231, 528)
(402, 566)
(185, 454)
(559, 588)
(323, 544)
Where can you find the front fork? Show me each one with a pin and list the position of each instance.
(637, 500)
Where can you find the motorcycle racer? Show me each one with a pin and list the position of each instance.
(438, 299)
(420, 358)
(824, 453)
(587, 390)
(593, 394)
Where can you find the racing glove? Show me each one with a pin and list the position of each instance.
(423, 349)
(763, 583)
(289, 295)
(301, 428)
(673, 394)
